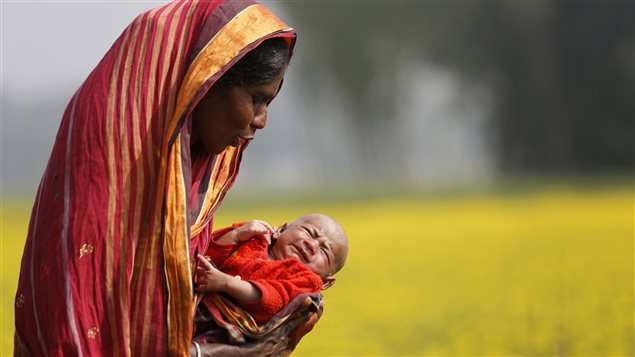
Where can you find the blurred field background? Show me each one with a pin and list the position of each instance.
(546, 272)
(479, 154)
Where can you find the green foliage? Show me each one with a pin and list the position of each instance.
(561, 71)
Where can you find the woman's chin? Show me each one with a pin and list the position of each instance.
(235, 142)
(216, 149)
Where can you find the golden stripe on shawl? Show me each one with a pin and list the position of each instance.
(170, 101)
(153, 233)
(146, 156)
(181, 306)
(169, 43)
(226, 164)
(124, 147)
(176, 182)
(111, 116)
(138, 194)
(152, 253)
(251, 24)
(178, 274)
(138, 154)
(245, 28)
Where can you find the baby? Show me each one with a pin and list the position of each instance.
(263, 268)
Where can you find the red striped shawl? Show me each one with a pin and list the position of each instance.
(106, 268)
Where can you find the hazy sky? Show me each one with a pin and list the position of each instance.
(49, 47)
(47, 43)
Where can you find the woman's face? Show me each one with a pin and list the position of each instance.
(223, 117)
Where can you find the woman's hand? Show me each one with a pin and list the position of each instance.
(252, 229)
(255, 228)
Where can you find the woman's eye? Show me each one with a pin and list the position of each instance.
(256, 101)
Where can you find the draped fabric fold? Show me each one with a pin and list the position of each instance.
(225, 329)
(106, 268)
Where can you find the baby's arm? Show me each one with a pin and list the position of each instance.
(246, 231)
(211, 279)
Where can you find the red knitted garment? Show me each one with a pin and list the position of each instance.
(279, 281)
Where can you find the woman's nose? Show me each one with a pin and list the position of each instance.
(260, 119)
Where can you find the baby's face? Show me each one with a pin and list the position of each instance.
(315, 240)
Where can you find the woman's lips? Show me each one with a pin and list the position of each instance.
(237, 140)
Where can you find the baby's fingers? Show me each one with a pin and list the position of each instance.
(205, 264)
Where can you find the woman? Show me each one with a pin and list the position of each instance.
(146, 150)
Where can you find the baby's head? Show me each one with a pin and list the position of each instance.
(317, 241)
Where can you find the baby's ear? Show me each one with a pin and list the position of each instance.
(328, 282)
(278, 231)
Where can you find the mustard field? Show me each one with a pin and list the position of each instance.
(543, 274)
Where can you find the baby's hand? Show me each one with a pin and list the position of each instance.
(209, 278)
(254, 228)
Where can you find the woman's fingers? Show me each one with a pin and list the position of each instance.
(254, 228)
(267, 226)
(262, 226)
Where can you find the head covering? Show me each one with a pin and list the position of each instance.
(106, 266)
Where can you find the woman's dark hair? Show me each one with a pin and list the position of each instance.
(259, 66)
